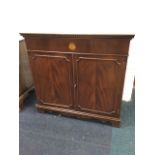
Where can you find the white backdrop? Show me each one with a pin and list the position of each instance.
(80, 16)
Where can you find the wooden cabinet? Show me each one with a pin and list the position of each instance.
(79, 75)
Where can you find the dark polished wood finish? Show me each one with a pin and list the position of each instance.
(79, 75)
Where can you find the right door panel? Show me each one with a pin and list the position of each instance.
(99, 84)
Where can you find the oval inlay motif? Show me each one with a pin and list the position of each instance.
(72, 46)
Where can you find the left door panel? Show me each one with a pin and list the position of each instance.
(53, 79)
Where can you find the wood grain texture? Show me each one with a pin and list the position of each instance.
(86, 80)
(79, 114)
(116, 44)
(109, 46)
(78, 36)
(99, 78)
(53, 83)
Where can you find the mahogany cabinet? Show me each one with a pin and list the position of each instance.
(79, 75)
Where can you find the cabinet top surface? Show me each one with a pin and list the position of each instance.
(84, 36)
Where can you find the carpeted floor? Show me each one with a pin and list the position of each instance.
(50, 134)
(123, 139)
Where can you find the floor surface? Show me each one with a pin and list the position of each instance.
(51, 134)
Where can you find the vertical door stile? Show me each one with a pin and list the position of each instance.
(74, 80)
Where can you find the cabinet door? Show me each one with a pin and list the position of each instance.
(99, 84)
(53, 79)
